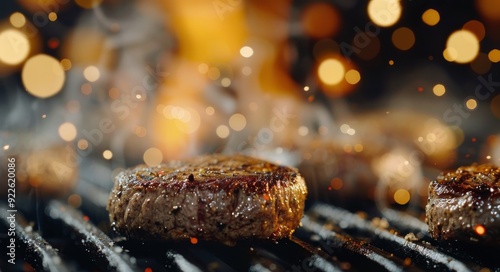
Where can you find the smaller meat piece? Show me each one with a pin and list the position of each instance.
(464, 205)
(216, 197)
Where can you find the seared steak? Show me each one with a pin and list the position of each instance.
(217, 197)
(465, 205)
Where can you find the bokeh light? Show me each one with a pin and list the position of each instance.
(91, 73)
(107, 154)
(303, 131)
(66, 64)
(14, 46)
(331, 71)
(439, 90)
(431, 17)
(495, 106)
(403, 38)
(246, 51)
(67, 131)
(75, 200)
(43, 76)
(384, 12)
(471, 103)
(475, 27)
(82, 144)
(152, 157)
(17, 19)
(352, 76)
(225, 82)
(222, 131)
(462, 46)
(52, 16)
(209, 110)
(402, 196)
(320, 20)
(480, 230)
(494, 55)
(237, 121)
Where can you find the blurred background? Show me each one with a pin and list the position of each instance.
(369, 99)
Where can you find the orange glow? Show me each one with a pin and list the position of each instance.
(266, 197)
(193, 240)
(403, 38)
(320, 20)
(336, 183)
(219, 26)
(494, 55)
(475, 27)
(148, 269)
(431, 17)
(489, 9)
(402, 196)
(480, 230)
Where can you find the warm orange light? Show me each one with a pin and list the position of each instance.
(402, 196)
(320, 20)
(403, 38)
(475, 27)
(336, 183)
(480, 230)
(431, 17)
(193, 240)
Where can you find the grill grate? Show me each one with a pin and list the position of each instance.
(330, 239)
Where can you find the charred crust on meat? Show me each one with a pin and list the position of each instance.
(217, 197)
(460, 201)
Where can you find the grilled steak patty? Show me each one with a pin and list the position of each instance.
(465, 205)
(216, 197)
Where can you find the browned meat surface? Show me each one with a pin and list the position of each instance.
(216, 197)
(465, 205)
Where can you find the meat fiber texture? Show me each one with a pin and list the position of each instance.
(217, 197)
(464, 205)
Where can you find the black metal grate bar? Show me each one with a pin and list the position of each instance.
(426, 256)
(37, 252)
(337, 244)
(94, 241)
